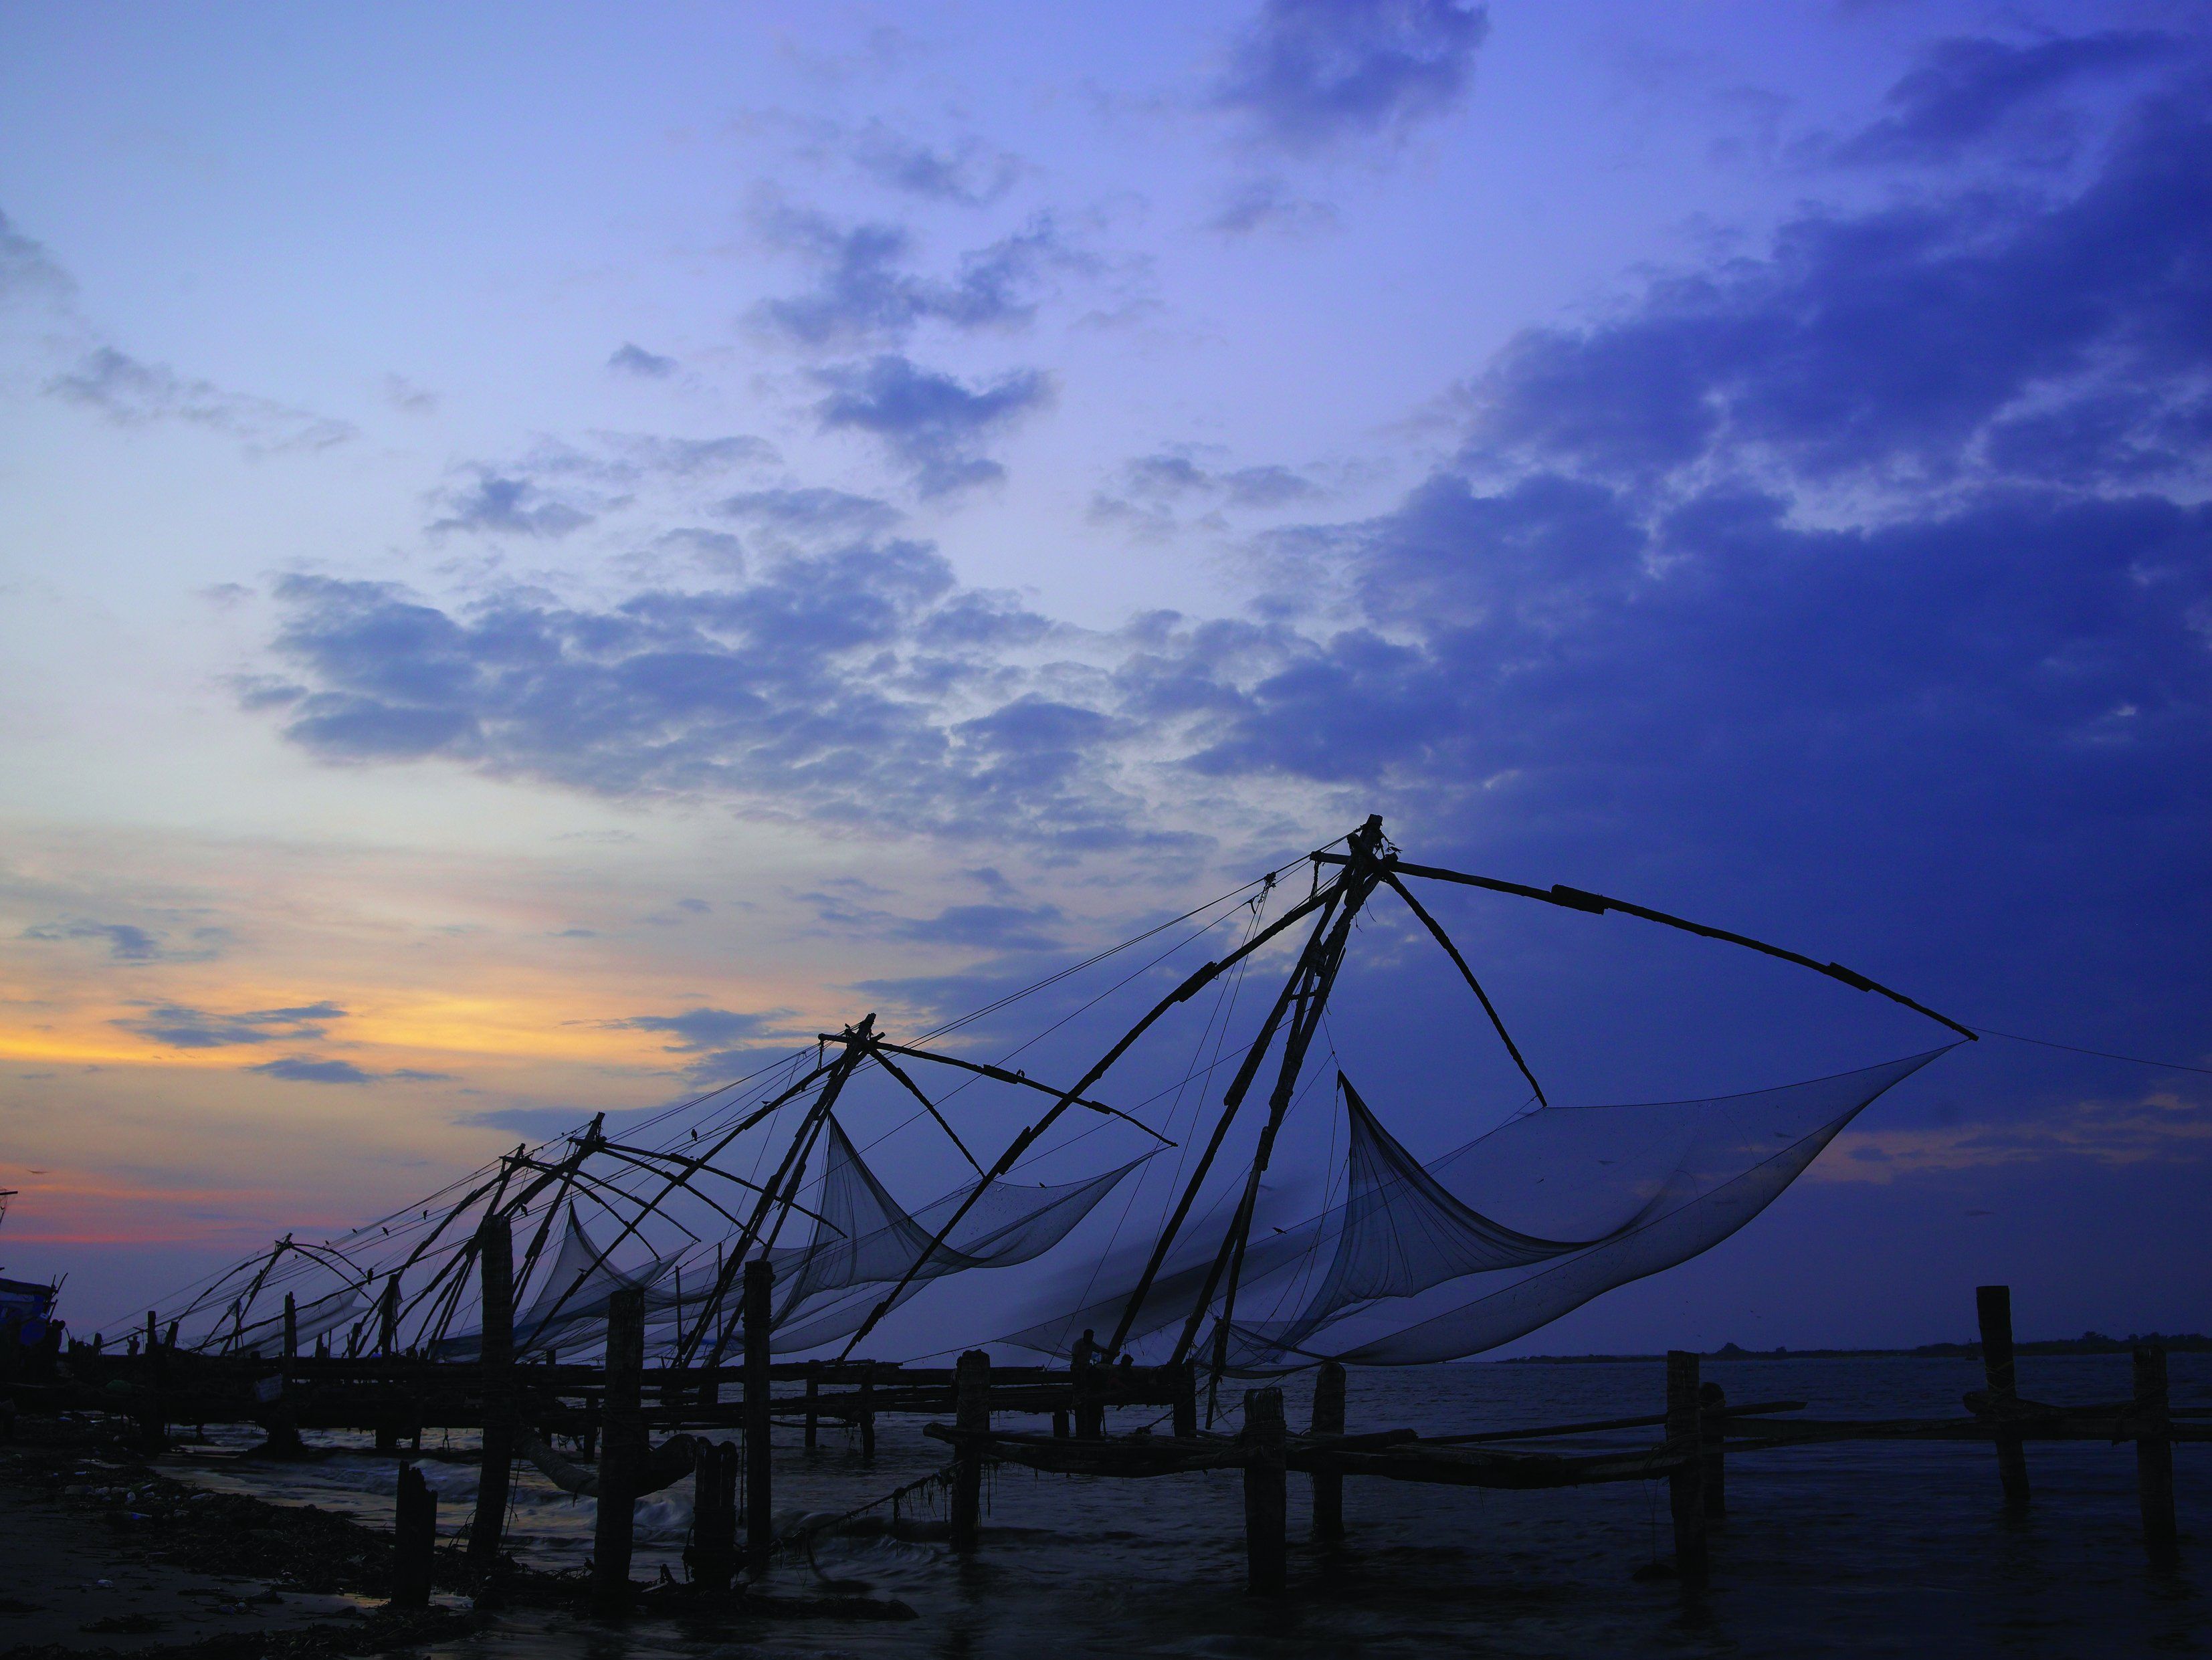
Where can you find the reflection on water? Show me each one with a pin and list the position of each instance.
(1859, 1549)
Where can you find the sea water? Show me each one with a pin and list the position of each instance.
(1853, 1548)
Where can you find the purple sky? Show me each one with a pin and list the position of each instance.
(550, 549)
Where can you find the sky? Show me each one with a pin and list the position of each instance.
(550, 552)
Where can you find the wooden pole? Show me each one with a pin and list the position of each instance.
(1713, 1398)
(1186, 1401)
(291, 1328)
(387, 1345)
(713, 1558)
(813, 1404)
(2154, 1461)
(971, 1411)
(1329, 1420)
(1993, 1307)
(868, 1411)
(495, 1352)
(1267, 1505)
(414, 1540)
(760, 1286)
(1686, 1486)
(622, 1452)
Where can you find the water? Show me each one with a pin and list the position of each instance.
(1868, 1548)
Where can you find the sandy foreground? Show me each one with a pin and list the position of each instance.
(99, 1554)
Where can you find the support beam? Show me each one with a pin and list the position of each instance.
(1993, 1309)
(712, 1556)
(1686, 1486)
(1267, 1505)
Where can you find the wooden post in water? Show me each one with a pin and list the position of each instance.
(1185, 1402)
(414, 1540)
(1060, 1430)
(495, 1357)
(813, 1404)
(971, 1411)
(713, 1558)
(622, 1452)
(868, 1411)
(1712, 1397)
(1266, 1503)
(2154, 1461)
(1329, 1420)
(1993, 1307)
(760, 1287)
(1686, 1486)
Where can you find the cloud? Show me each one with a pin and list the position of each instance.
(863, 292)
(996, 927)
(1150, 488)
(311, 1069)
(133, 393)
(129, 943)
(27, 271)
(858, 686)
(1269, 203)
(971, 173)
(404, 395)
(185, 1027)
(1310, 73)
(718, 1041)
(1967, 91)
(813, 518)
(936, 426)
(630, 358)
(496, 504)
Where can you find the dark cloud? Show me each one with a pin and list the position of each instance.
(133, 393)
(1311, 73)
(970, 173)
(936, 426)
(1917, 344)
(185, 1027)
(1967, 91)
(127, 942)
(865, 290)
(630, 358)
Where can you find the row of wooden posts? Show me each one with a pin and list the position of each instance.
(1700, 1429)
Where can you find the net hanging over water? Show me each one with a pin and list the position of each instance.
(1429, 1263)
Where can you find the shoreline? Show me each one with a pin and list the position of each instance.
(2088, 1343)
